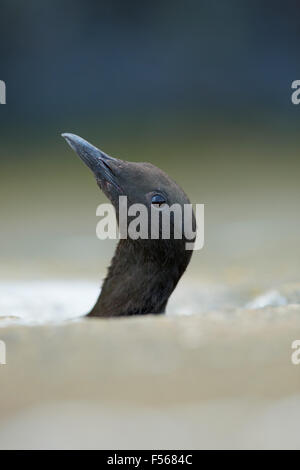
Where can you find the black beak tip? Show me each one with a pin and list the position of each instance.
(89, 154)
(66, 135)
(71, 139)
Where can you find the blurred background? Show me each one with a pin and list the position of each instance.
(202, 89)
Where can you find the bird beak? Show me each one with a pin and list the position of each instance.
(99, 162)
(90, 155)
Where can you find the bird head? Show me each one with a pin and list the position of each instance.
(141, 183)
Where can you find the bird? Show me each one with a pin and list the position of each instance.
(143, 272)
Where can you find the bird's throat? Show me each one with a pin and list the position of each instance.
(138, 282)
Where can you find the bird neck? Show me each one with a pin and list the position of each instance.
(141, 277)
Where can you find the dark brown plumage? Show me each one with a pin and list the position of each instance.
(143, 273)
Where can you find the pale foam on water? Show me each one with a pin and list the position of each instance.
(55, 301)
(40, 302)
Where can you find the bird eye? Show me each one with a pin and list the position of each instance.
(158, 200)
